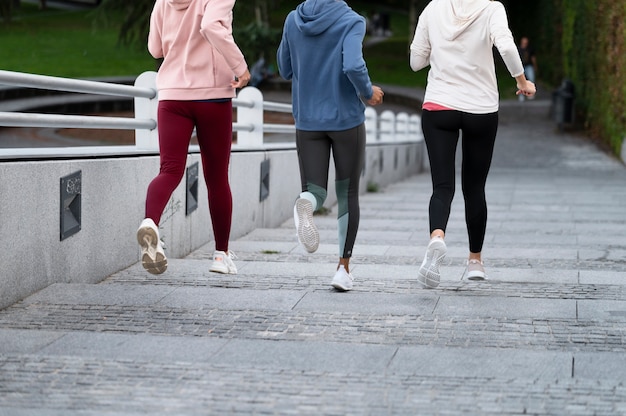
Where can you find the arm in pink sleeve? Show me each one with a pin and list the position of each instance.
(155, 45)
(216, 27)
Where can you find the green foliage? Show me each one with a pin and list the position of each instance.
(322, 211)
(373, 187)
(135, 16)
(591, 37)
(599, 70)
(388, 63)
(6, 10)
(256, 40)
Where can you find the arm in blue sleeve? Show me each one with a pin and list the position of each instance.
(353, 63)
(283, 56)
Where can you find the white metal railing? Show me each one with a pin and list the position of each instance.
(251, 129)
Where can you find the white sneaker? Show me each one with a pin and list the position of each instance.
(308, 235)
(152, 255)
(428, 274)
(342, 281)
(476, 270)
(223, 263)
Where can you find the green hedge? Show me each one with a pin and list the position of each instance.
(584, 41)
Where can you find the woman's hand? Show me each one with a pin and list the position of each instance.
(526, 88)
(241, 80)
(377, 97)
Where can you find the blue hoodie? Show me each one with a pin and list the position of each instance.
(321, 52)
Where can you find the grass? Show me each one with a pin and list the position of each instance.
(373, 187)
(323, 211)
(388, 63)
(60, 43)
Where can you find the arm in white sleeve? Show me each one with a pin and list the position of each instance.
(420, 47)
(502, 38)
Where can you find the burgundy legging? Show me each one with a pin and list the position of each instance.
(213, 122)
(441, 132)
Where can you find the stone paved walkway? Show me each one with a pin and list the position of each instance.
(546, 335)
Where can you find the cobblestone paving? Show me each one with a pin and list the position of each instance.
(167, 389)
(590, 264)
(529, 290)
(546, 335)
(434, 330)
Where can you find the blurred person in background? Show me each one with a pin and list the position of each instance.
(529, 60)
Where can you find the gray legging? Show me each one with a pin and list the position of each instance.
(348, 148)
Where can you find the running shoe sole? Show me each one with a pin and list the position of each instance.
(428, 274)
(341, 287)
(476, 275)
(151, 260)
(221, 268)
(308, 235)
(342, 280)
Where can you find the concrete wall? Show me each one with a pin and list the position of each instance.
(113, 194)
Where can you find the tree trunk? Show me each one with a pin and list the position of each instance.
(42, 4)
(6, 8)
(412, 19)
(261, 14)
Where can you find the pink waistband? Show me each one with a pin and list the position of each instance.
(434, 107)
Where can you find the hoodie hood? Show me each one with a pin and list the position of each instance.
(179, 4)
(314, 17)
(458, 15)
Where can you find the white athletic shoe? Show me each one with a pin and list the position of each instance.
(152, 255)
(308, 235)
(428, 274)
(223, 263)
(476, 270)
(342, 281)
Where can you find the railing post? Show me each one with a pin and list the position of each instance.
(250, 116)
(387, 126)
(402, 127)
(147, 108)
(371, 125)
(415, 128)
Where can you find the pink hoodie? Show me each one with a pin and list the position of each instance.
(200, 55)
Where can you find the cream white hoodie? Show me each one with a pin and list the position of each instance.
(200, 55)
(456, 38)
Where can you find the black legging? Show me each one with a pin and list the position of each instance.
(441, 131)
(348, 149)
